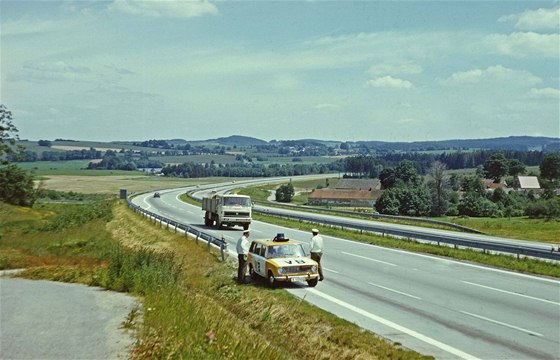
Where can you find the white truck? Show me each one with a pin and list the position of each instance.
(227, 210)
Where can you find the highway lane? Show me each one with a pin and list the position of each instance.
(445, 308)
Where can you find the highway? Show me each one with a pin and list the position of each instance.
(436, 306)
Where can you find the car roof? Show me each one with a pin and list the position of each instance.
(269, 242)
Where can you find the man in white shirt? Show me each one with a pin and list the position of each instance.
(316, 250)
(243, 245)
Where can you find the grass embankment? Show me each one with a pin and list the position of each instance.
(192, 306)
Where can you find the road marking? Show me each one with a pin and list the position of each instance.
(149, 206)
(370, 259)
(417, 335)
(511, 293)
(502, 323)
(333, 271)
(395, 291)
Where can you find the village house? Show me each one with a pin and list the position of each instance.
(347, 192)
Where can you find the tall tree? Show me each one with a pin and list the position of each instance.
(496, 166)
(550, 166)
(16, 186)
(439, 188)
(8, 135)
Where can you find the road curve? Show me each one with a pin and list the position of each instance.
(437, 306)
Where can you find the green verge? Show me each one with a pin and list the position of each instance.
(192, 306)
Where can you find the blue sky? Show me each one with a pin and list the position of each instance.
(330, 70)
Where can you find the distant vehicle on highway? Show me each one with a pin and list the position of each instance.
(227, 210)
(156, 194)
(281, 260)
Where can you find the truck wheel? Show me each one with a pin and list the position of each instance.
(207, 220)
(312, 282)
(245, 226)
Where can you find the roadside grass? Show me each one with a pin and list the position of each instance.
(526, 265)
(522, 228)
(192, 306)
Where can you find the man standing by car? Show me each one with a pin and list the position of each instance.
(243, 245)
(316, 250)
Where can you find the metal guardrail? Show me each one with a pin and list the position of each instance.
(552, 254)
(196, 233)
(373, 216)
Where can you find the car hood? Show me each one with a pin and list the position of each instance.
(292, 261)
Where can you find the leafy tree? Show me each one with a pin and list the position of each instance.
(404, 200)
(285, 193)
(16, 186)
(516, 167)
(47, 143)
(404, 173)
(439, 188)
(474, 184)
(8, 135)
(550, 166)
(496, 166)
(475, 205)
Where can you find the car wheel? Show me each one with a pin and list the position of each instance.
(312, 282)
(252, 272)
(271, 280)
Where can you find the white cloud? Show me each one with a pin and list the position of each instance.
(326, 107)
(168, 8)
(496, 73)
(397, 68)
(30, 26)
(545, 93)
(525, 44)
(540, 19)
(53, 71)
(390, 82)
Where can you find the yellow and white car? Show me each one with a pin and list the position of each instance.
(281, 260)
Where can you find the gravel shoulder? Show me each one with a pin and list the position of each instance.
(52, 320)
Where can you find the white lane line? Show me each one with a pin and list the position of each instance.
(149, 206)
(511, 293)
(417, 335)
(502, 323)
(395, 291)
(333, 271)
(370, 259)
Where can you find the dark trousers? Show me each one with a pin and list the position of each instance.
(317, 257)
(242, 269)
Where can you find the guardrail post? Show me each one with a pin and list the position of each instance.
(222, 246)
(175, 227)
(186, 231)
(197, 236)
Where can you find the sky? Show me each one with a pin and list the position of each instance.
(281, 70)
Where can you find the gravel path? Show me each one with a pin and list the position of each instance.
(52, 320)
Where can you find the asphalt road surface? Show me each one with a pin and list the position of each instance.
(52, 320)
(437, 306)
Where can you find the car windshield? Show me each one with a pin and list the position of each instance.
(283, 251)
(237, 201)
